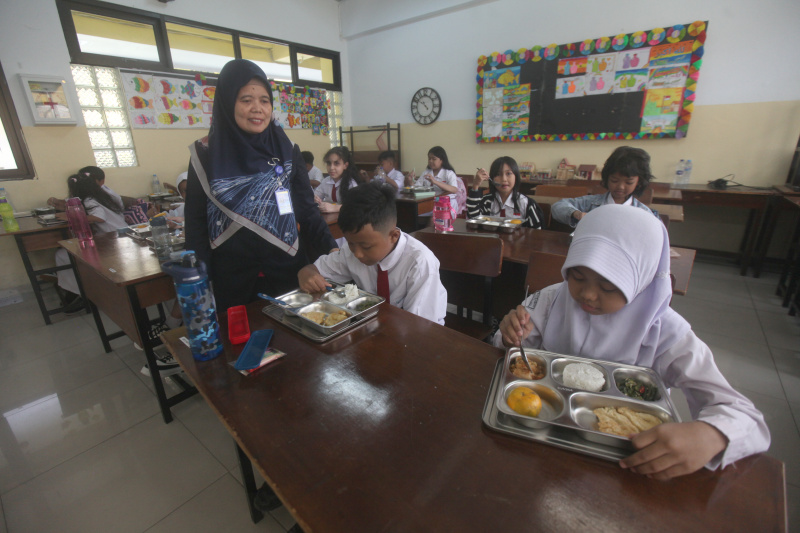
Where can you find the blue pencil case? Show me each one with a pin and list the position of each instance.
(254, 350)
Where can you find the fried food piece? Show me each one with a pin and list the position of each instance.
(334, 318)
(315, 316)
(623, 421)
(519, 369)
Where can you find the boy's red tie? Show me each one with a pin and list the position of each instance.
(503, 212)
(383, 283)
(333, 193)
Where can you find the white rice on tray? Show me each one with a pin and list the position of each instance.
(350, 294)
(583, 376)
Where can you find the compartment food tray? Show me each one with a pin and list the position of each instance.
(489, 223)
(302, 326)
(567, 412)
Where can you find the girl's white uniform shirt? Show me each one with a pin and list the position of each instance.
(447, 176)
(324, 191)
(111, 219)
(414, 283)
(688, 365)
(496, 208)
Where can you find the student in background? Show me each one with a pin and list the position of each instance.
(342, 176)
(314, 174)
(504, 199)
(626, 174)
(387, 162)
(99, 176)
(379, 257)
(614, 306)
(439, 175)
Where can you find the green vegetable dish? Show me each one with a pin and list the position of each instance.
(363, 306)
(636, 389)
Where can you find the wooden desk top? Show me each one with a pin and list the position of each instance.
(381, 431)
(120, 260)
(30, 225)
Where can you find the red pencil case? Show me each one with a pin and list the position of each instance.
(238, 326)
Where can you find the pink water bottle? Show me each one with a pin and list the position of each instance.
(78, 222)
(443, 214)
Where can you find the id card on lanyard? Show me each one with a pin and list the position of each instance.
(284, 201)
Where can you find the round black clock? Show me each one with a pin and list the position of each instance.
(426, 105)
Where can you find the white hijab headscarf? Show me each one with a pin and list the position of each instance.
(630, 248)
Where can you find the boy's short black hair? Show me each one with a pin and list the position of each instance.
(308, 157)
(629, 161)
(370, 203)
(388, 154)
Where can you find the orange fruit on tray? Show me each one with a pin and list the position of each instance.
(525, 402)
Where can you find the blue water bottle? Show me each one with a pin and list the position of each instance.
(197, 305)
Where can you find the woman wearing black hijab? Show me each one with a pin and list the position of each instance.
(250, 210)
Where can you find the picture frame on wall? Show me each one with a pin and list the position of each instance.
(48, 100)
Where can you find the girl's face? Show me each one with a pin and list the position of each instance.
(253, 108)
(434, 163)
(621, 186)
(594, 293)
(336, 166)
(504, 183)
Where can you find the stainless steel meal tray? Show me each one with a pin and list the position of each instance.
(490, 223)
(415, 190)
(570, 408)
(364, 297)
(302, 327)
(177, 243)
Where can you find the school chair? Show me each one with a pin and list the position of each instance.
(561, 191)
(546, 212)
(468, 265)
(544, 269)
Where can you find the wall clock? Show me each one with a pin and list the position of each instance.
(426, 106)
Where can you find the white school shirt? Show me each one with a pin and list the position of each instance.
(610, 200)
(326, 186)
(447, 176)
(117, 198)
(111, 219)
(688, 365)
(414, 283)
(315, 174)
(495, 207)
(178, 211)
(397, 176)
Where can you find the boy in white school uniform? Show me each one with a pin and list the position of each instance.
(387, 163)
(314, 174)
(380, 257)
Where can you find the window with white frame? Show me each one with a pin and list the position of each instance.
(103, 106)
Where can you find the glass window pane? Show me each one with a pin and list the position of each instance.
(116, 119)
(314, 68)
(93, 118)
(197, 49)
(110, 97)
(104, 158)
(87, 96)
(99, 139)
(106, 77)
(115, 37)
(121, 138)
(273, 58)
(7, 161)
(126, 158)
(82, 75)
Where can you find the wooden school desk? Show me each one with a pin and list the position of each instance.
(332, 219)
(31, 237)
(381, 430)
(409, 208)
(122, 277)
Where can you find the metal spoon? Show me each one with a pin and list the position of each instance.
(521, 349)
(271, 299)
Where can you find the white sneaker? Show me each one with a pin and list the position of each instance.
(166, 365)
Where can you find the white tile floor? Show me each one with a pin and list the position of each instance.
(83, 447)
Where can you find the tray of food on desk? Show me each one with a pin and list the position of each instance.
(320, 317)
(585, 405)
(141, 229)
(177, 243)
(418, 190)
(158, 195)
(502, 224)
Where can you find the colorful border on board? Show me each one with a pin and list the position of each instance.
(633, 40)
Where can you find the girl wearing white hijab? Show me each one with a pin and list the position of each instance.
(614, 306)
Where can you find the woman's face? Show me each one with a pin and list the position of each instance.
(253, 109)
(434, 163)
(504, 182)
(335, 166)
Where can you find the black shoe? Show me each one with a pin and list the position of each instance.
(266, 500)
(152, 334)
(75, 306)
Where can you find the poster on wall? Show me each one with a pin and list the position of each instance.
(300, 107)
(638, 85)
(167, 102)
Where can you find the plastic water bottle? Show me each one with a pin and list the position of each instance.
(78, 222)
(380, 175)
(162, 240)
(197, 305)
(7, 212)
(156, 185)
(443, 214)
(687, 172)
(678, 179)
(4, 194)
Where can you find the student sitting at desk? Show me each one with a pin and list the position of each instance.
(387, 162)
(439, 175)
(504, 199)
(379, 257)
(614, 306)
(99, 176)
(342, 176)
(626, 174)
(314, 174)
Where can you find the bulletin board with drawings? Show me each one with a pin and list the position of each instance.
(168, 102)
(297, 107)
(638, 85)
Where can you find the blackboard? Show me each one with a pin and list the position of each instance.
(639, 85)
